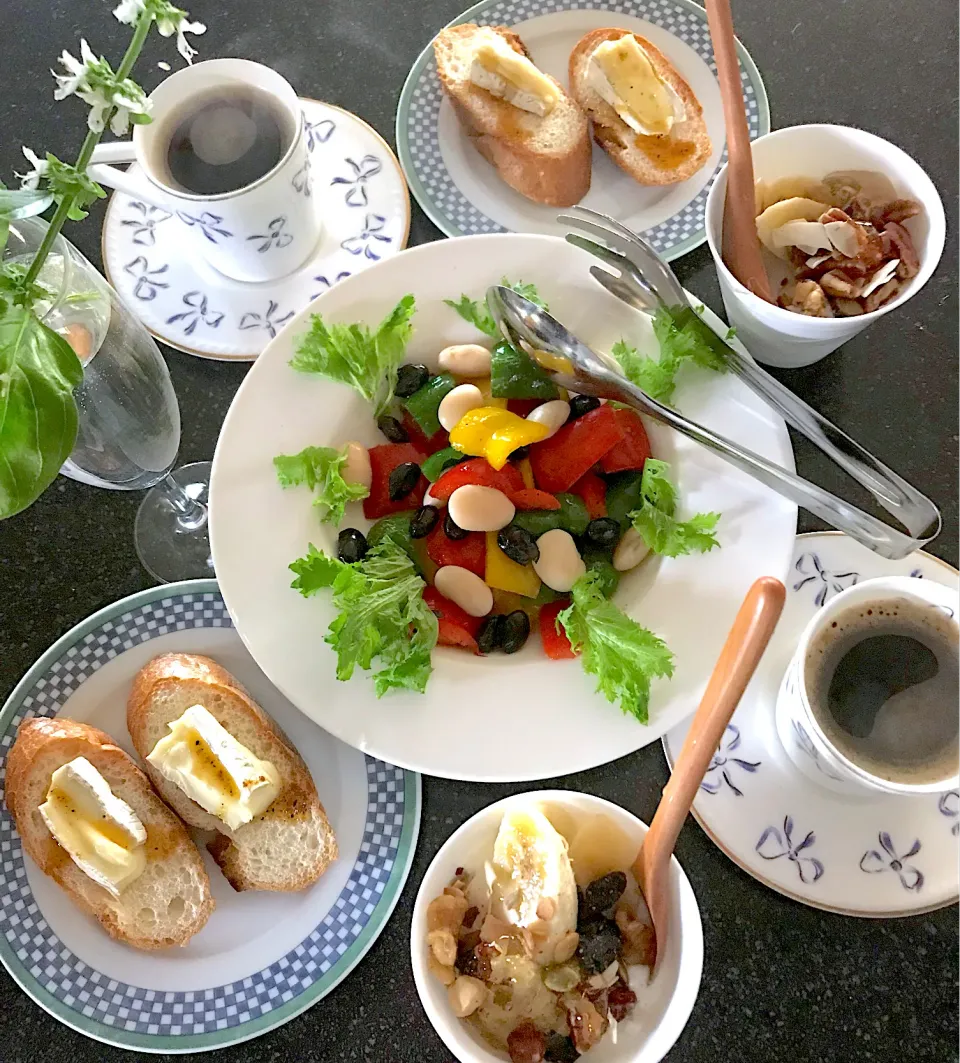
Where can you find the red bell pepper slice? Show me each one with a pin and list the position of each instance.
(469, 552)
(556, 645)
(383, 460)
(560, 461)
(633, 450)
(429, 445)
(456, 627)
(530, 498)
(593, 491)
(521, 407)
(478, 471)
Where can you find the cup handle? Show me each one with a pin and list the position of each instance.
(135, 185)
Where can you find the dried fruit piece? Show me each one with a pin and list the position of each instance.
(526, 1044)
(620, 1001)
(639, 939)
(603, 893)
(586, 1024)
(599, 944)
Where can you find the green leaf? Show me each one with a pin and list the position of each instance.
(624, 656)
(38, 414)
(655, 520)
(353, 355)
(652, 375)
(477, 313)
(21, 203)
(319, 468)
(382, 614)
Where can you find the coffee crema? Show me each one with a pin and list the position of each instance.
(224, 140)
(882, 682)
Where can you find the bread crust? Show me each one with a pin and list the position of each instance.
(657, 165)
(506, 136)
(297, 804)
(55, 742)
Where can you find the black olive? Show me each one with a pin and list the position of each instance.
(518, 544)
(490, 633)
(403, 480)
(599, 944)
(351, 545)
(424, 521)
(560, 1049)
(454, 531)
(520, 453)
(516, 631)
(604, 531)
(603, 893)
(581, 404)
(392, 429)
(410, 378)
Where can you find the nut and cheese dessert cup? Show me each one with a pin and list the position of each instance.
(780, 337)
(664, 1005)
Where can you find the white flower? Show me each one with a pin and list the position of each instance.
(95, 83)
(176, 22)
(69, 83)
(37, 170)
(128, 11)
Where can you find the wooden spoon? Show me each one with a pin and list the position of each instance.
(738, 660)
(740, 246)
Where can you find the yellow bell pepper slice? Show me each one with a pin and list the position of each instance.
(489, 400)
(492, 433)
(526, 474)
(504, 574)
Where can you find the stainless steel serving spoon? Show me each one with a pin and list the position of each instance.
(533, 329)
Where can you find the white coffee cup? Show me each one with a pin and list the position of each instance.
(256, 233)
(781, 337)
(804, 740)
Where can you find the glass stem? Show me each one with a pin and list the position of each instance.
(191, 514)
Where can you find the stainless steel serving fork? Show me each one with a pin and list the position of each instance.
(645, 282)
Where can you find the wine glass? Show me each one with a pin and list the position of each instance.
(129, 420)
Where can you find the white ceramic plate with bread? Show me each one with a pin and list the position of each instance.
(478, 164)
(176, 916)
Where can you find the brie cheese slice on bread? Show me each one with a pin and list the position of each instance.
(510, 76)
(621, 73)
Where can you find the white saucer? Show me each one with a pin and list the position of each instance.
(872, 856)
(189, 305)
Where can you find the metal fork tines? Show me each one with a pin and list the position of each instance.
(644, 281)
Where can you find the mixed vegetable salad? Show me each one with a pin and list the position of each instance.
(499, 503)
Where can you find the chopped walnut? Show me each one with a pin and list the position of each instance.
(586, 1024)
(847, 307)
(443, 945)
(810, 299)
(904, 250)
(877, 298)
(897, 210)
(839, 284)
(639, 939)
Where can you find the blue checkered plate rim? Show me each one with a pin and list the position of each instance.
(418, 114)
(130, 1016)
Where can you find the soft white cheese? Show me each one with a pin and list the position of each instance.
(510, 76)
(212, 768)
(100, 832)
(620, 72)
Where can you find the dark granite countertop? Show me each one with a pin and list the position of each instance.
(781, 981)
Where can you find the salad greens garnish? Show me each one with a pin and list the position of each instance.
(381, 614)
(319, 468)
(655, 520)
(477, 314)
(624, 656)
(352, 354)
(683, 337)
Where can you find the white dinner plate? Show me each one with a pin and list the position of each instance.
(498, 718)
(462, 193)
(875, 855)
(263, 957)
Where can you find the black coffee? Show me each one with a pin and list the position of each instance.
(225, 139)
(883, 685)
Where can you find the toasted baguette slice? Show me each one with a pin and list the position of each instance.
(287, 847)
(649, 160)
(171, 900)
(546, 159)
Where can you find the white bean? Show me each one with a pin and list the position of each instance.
(476, 508)
(466, 359)
(552, 415)
(462, 399)
(429, 500)
(630, 551)
(464, 588)
(560, 564)
(356, 469)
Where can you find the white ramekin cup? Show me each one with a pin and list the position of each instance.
(780, 337)
(663, 1007)
(801, 735)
